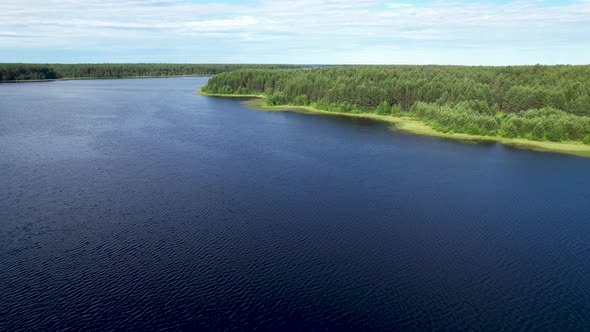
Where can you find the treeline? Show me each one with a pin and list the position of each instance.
(24, 72)
(533, 102)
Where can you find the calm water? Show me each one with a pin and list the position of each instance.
(134, 204)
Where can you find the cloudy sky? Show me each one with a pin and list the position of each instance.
(296, 31)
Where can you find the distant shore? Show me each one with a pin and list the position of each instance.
(98, 78)
(415, 126)
(41, 72)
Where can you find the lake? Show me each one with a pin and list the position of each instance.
(137, 205)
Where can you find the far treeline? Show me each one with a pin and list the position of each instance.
(533, 102)
(28, 72)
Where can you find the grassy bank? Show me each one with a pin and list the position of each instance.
(221, 95)
(415, 126)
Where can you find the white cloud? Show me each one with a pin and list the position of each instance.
(341, 28)
(241, 22)
(395, 5)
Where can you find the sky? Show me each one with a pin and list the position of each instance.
(500, 32)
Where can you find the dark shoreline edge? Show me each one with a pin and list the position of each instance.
(415, 126)
(100, 78)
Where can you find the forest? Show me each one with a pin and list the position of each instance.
(543, 103)
(26, 72)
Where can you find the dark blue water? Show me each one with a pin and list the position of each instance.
(134, 204)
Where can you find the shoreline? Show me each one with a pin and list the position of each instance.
(98, 78)
(417, 127)
(222, 95)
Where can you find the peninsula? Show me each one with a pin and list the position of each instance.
(544, 108)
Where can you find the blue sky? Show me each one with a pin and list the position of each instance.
(497, 32)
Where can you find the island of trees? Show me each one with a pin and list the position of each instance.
(540, 103)
(29, 72)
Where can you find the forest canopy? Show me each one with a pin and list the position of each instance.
(534, 102)
(25, 72)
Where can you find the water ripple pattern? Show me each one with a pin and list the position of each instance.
(137, 205)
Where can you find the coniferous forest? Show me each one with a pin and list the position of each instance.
(25, 72)
(538, 102)
(549, 103)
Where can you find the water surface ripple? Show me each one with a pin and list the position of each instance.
(136, 205)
